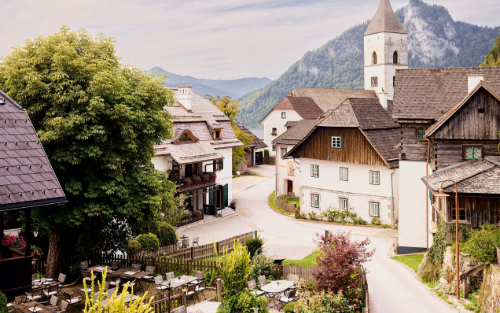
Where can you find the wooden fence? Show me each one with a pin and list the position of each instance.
(303, 272)
(165, 305)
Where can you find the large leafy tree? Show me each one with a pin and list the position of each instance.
(231, 109)
(493, 58)
(98, 121)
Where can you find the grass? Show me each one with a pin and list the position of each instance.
(212, 259)
(246, 174)
(272, 203)
(412, 260)
(305, 262)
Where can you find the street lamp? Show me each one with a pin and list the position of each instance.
(443, 198)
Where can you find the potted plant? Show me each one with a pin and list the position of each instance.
(206, 177)
(213, 175)
(196, 179)
(187, 181)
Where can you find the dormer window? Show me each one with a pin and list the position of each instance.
(185, 137)
(217, 134)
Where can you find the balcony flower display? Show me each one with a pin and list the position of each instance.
(187, 181)
(206, 177)
(213, 176)
(196, 179)
(20, 244)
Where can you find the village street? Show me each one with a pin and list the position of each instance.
(393, 288)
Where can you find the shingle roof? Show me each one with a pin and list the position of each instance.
(385, 142)
(192, 152)
(257, 143)
(331, 98)
(296, 133)
(26, 176)
(430, 93)
(363, 113)
(291, 123)
(472, 177)
(385, 20)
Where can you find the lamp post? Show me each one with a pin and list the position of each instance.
(442, 196)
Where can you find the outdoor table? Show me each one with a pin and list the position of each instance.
(128, 298)
(130, 273)
(277, 259)
(205, 307)
(98, 268)
(179, 281)
(28, 307)
(275, 288)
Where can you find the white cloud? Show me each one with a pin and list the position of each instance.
(210, 39)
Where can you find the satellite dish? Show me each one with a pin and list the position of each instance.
(242, 167)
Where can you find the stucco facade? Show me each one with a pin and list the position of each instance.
(356, 189)
(275, 120)
(288, 173)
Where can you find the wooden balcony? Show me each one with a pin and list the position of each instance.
(188, 184)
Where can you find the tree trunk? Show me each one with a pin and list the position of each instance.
(57, 256)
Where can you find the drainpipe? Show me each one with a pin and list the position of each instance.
(427, 193)
(392, 197)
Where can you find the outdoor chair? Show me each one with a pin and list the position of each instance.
(53, 303)
(158, 283)
(63, 306)
(294, 279)
(87, 276)
(181, 309)
(262, 280)
(170, 275)
(51, 291)
(114, 265)
(136, 267)
(199, 275)
(196, 241)
(200, 288)
(61, 279)
(191, 294)
(185, 242)
(126, 280)
(290, 297)
(252, 286)
(114, 281)
(33, 277)
(34, 295)
(84, 266)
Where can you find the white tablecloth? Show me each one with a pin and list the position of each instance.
(277, 286)
(205, 307)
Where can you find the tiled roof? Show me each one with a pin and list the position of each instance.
(385, 20)
(296, 133)
(430, 93)
(304, 106)
(472, 177)
(331, 98)
(26, 176)
(257, 143)
(363, 113)
(290, 123)
(384, 141)
(192, 152)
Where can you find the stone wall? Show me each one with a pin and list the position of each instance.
(489, 294)
(285, 206)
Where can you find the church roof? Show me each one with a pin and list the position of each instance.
(385, 20)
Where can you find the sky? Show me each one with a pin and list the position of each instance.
(217, 39)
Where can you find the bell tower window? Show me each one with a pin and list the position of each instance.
(374, 58)
(395, 58)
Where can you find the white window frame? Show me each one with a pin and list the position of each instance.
(343, 204)
(281, 152)
(283, 115)
(315, 170)
(374, 178)
(315, 200)
(336, 142)
(374, 206)
(344, 174)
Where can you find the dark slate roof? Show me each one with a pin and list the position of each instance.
(296, 133)
(363, 113)
(430, 93)
(304, 106)
(331, 98)
(257, 143)
(26, 176)
(385, 20)
(472, 177)
(385, 141)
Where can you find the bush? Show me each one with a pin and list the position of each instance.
(430, 271)
(149, 242)
(243, 302)
(3, 303)
(254, 245)
(134, 247)
(482, 244)
(166, 234)
(234, 269)
(376, 221)
(261, 265)
(313, 216)
(266, 153)
(289, 307)
(439, 244)
(326, 302)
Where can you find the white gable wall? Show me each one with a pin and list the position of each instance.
(287, 169)
(357, 189)
(274, 120)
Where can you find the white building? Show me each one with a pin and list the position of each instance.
(349, 160)
(199, 156)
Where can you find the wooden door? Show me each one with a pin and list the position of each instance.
(290, 186)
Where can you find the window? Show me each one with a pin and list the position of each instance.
(283, 152)
(375, 81)
(420, 135)
(344, 204)
(314, 200)
(274, 131)
(473, 152)
(274, 147)
(219, 165)
(217, 133)
(344, 173)
(393, 81)
(374, 209)
(283, 114)
(374, 178)
(395, 58)
(314, 170)
(374, 58)
(336, 142)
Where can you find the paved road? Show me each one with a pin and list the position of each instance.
(392, 287)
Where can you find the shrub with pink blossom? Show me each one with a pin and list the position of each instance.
(19, 243)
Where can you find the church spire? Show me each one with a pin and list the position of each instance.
(385, 20)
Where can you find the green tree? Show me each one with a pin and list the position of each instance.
(98, 121)
(493, 58)
(231, 109)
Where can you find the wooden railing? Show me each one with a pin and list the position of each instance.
(165, 304)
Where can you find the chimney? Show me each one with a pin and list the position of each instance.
(290, 94)
(473, 81)
(185, 96)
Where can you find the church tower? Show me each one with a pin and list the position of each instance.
(386, 50)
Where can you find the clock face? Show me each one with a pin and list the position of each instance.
(374, 81)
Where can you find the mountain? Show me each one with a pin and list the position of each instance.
(234, 88)
(434, 39)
